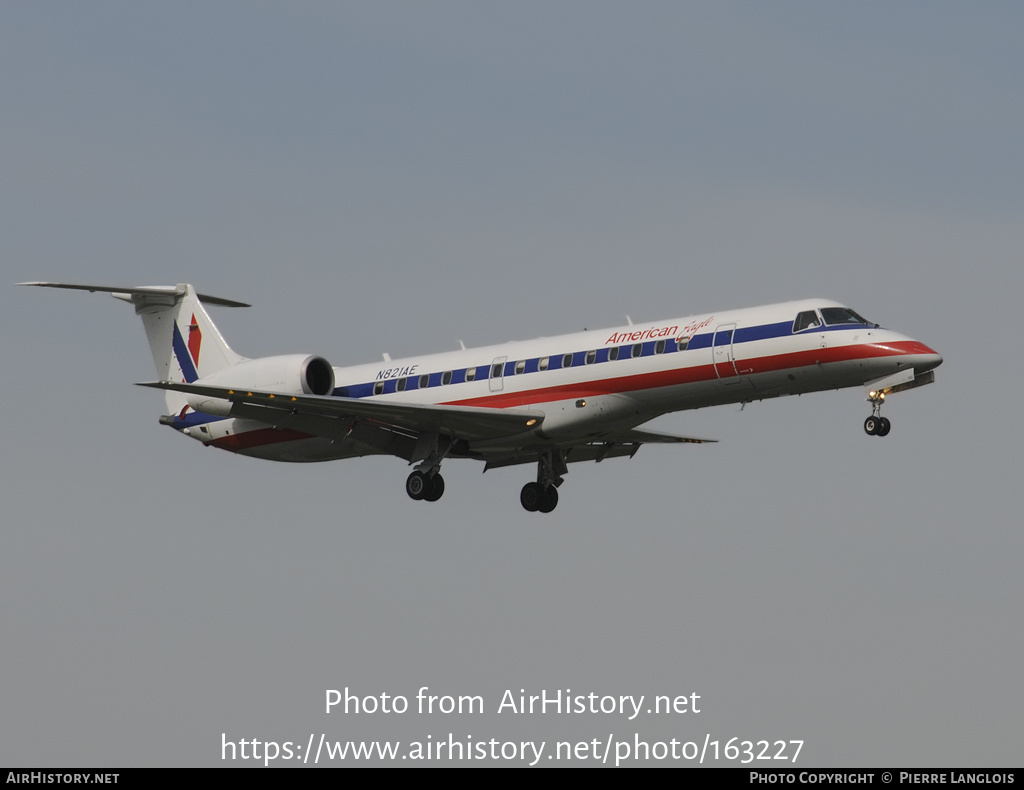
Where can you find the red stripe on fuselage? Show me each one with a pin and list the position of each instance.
(695, 374)
(622, 384)
(258, 438)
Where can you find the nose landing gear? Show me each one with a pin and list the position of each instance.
(876, 424)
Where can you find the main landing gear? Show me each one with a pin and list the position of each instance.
(876, 424)
(420, 485)
(426, 482)
(536, 498)
(542, 496)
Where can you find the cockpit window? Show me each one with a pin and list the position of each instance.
(841, 315)
(806, 320)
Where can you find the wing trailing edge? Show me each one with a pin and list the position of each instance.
(472, 423)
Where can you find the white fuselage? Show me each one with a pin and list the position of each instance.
(591, 383)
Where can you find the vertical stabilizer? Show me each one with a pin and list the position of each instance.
(185, 343)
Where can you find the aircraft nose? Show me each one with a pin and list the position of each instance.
(914, 353)
(930, 360)
(925, 358)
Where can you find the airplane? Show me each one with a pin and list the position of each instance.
(550, 401)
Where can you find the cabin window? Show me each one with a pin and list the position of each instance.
(543, 364)
(497, 370)
(682, 343)
(567, 361)
(638, 349)
(424, 381)
(400, 385)
(378, 387)
(446, 377)
(841, 315)
(806, 320)
(470, 374)
(590, 357)
(659, 347)
(520, 366)
(613, 353)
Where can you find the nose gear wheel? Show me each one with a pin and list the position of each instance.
(876, 424)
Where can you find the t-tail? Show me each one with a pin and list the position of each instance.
(185, 343)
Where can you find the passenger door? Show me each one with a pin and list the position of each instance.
(722, 355)
(496, 375)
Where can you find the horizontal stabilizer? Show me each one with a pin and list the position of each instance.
(175, 291)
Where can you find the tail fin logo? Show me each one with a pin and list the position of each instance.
(195, 339)
(188, 354)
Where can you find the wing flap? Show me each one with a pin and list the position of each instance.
(633, 436)
(615, 445)
(574, 454)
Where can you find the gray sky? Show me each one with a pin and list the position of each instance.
(399, 176)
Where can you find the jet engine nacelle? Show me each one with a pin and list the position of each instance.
(293, 374)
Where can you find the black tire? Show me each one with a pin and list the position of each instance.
(871, 426)
(434, 489)
(531, 497)
(884, 426)
(549, 500)
(417, 485)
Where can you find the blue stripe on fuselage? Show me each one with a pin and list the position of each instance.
(194, 418)
(704, 340)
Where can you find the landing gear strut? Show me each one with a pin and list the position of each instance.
(426, 482)
(876, 424)
(542, 496)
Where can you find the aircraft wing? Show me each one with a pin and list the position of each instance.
(613, 445)
(472, 423)
(634, 436)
